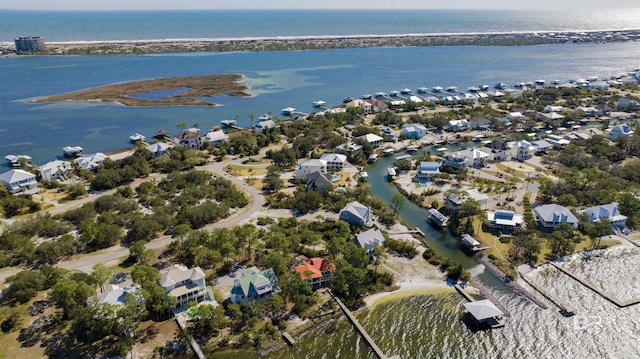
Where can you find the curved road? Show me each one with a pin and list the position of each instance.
(87, 261)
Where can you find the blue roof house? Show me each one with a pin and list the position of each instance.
(551, 215)
(355, 214)
(414, 130)
(607, 212)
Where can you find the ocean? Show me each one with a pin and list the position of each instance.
(415, 327)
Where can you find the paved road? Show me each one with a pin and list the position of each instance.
(88, 261)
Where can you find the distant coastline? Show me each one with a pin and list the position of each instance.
(297, 43)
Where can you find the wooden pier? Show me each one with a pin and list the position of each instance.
(414, 231)
(565, 309)
(597, 290)
(182, 323)
(359, 328)
(493, 323)
(288, 338)
(464, 294)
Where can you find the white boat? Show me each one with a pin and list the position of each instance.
(437, 89)
(136, 137)
(319, 103)
(451, 89)
(288, 111)
(423, 90)
(229, 123)
(367, 96)
(394, 93)
(406, 90)
(72, 151)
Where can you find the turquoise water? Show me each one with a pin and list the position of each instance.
(277, 80)
(138, 25)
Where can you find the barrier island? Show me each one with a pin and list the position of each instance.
(180, 91)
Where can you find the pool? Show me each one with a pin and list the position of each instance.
(335, 178)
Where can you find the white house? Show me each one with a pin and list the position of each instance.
(263, 125)
(608, 212)
(215, 137)
(55, 170)
(335, 161)
(498, 150)
(458, 125)
(372, 139)
(551, 215)
(415, 130)
(522, 150)
(552, 108)
(506, 221)
(310, 166)
(91, 162)
(516, 116)
(186, 285)
(116, 295)
(16, 180)
(463, 159)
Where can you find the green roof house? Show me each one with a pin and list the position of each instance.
(254, 284)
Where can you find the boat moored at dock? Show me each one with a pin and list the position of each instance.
(319, 103)
(436, 218)
(288, 111)
(72, 151)
(136, 137)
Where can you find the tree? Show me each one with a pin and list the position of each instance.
(272, 181)
(101, 275)
(561, 240)
(23, 286)
(397, 202)
(69, 294)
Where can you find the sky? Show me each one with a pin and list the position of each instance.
(310, 4)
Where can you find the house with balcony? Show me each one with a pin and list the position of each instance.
(369, 239)
(254, 284)
(186, 285)
(116, 295)
(55, 170)
(498, 151)
(310, 166)
(427, 170)
(216, 137)
(505, 221)
(372, 139)
(317, 272)
(17, 180)
(190, 138)
(158, 149)
(461, 160)
(458, 125)
(480, 123)
(551, 215)
(522, 150)
(263, 125)
(607, 212)
(335, 161)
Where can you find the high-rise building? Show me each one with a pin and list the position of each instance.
(29, 44)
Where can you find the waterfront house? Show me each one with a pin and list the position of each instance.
(263, 125)
(427, 170)
(607, 212)
(186, 285)
(318, 181)
(254, 284)
(588, 111)
(550, 215)
(458, 125)
(558, 142)
(522, 150)
(372, 139)
(369, 239)
(498, 150)
(19, 160)
(480, 123)
(619, 131)
(162, 134)
(55, 170)
(355, 214)
(317, 272)
(335, 161)
(455, 198)
(505, 221)
(158, 149)
(463, 159)
(378, 106)
(361, 104)
(216, 137)
(91, 162)
(310, 166)
(415, 130)
(16, 180)
(388, 134)
(190, 138)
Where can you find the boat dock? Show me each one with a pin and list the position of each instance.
(464, 294)
(565, 309)
(493, 322)
(182, 323)
(358, 327)
(417, 230)
(597, 290)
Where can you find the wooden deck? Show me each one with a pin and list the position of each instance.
(363, 333)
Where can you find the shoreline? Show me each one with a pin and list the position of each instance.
(322, 42)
